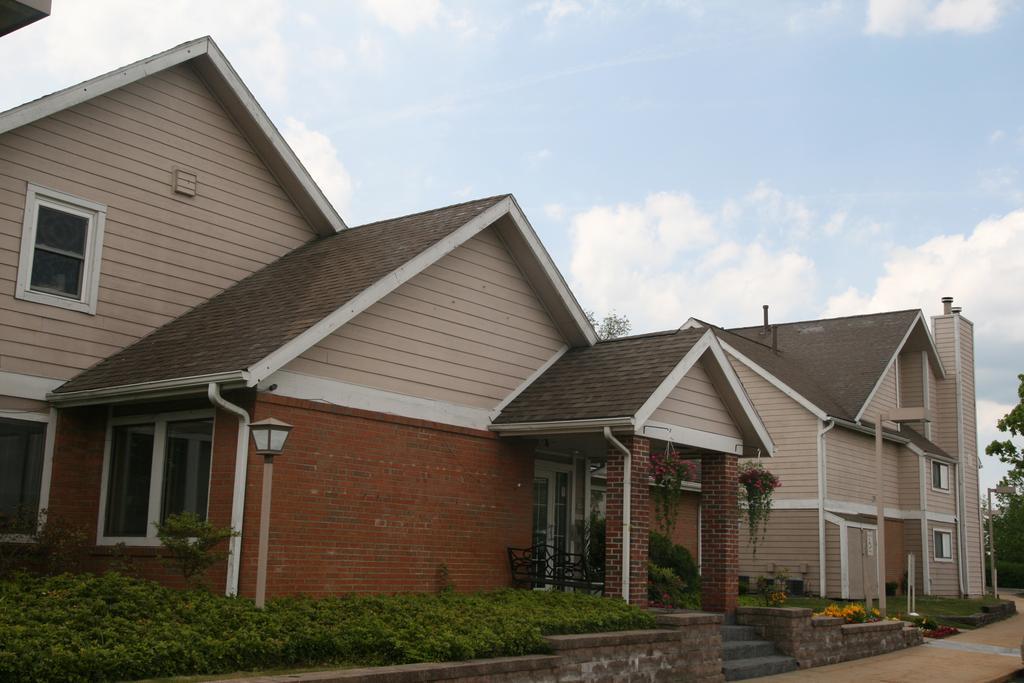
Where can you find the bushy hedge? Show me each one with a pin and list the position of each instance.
(97, 628)
(1011, 574)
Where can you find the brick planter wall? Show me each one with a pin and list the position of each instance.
(685, 647)
(817, 641)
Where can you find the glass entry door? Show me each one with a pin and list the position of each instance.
(552, 510)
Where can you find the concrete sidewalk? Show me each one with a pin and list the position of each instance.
(986, 654)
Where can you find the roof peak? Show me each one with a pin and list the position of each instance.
(821, 320)
(494, 198)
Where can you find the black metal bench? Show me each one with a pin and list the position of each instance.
(545, 565)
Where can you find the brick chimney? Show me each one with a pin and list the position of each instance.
(955, 429)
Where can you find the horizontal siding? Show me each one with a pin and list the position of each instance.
(939, 500)
(943, 574)
(791, 541)
(912, 544)
(695, 403)
(163, 253)
(14, 404)
(909, 468)
(885, 398)
(468, 330)
(972, 532)
(911, 384)
(850, 466)
(944, 422)
(794, 431)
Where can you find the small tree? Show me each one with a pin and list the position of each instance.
(611, 326)
(191, 541)
(1007, 451)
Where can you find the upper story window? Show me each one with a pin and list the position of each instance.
(940, 476)
(61, 241)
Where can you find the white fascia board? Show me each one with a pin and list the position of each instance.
(775, 381)
(206, 49)
(296, 385)
(528, 381)
(76, 94)
(716, 350)
(672, 379)
(691, 324)
(579, 316)
(844, 507)
(332, 221)
(686, 436)
(564, 426)
(158, 389)
(374, 293)
(27, 386)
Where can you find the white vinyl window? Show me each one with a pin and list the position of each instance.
(154, 466)
(61, 245)
(22, 445)
(940, 476)
(943, 542)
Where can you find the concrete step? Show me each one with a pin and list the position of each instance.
(755, 667)
(746, 649)
(732, 632)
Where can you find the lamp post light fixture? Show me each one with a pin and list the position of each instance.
(1006, 491)
(899, 416)
(269, 435)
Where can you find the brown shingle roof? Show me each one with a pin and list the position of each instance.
(835, 362)
(610, 379)
(246, 322)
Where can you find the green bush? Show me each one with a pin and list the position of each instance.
(89, 628)
(191, 540)
(664, 553)
(1011, 574)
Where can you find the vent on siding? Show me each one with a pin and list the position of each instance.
(184, 182)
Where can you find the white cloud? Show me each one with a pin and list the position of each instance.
(792, 215)
(664, 260)
(1002, 183)
(983, 270)
(835, 223)
(898, 17)
(996, 136)
(560, 9)
(555, 212)
(989, 412)
(81, 40)
(319, 156)
(405, 16)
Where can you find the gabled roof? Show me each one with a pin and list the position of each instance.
(253, 328)
(622, 381)
(836, 364)
(610, 379)
(210, 63)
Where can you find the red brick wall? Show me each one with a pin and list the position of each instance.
(639, 448)
(719, 533)
(366, 502)
(687, 522)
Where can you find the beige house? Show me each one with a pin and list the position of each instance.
(819, 386)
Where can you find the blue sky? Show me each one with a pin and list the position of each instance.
(677, 157)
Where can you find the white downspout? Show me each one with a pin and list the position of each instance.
(822, 494)
(627, 504)
(238, 496)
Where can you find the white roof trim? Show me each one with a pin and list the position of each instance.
(528, 381)
(775, 381)
(691, 324)
(919, 318)
(708, 343)
(576, 311)
(325, 223)
(374, 293)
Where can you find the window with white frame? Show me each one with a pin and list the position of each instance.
(943, 542)
(61, 244)
(940, 476)
(22, 444)
(154, 467)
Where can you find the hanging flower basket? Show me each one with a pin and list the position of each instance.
(757, 485)
(669, 470)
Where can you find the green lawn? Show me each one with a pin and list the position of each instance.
(926, 605)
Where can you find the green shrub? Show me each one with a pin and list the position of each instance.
(664, 553)
(1011, 574)
(89, 628)
(191, 540)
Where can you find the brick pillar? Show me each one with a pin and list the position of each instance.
(719, 525)
(640, 448)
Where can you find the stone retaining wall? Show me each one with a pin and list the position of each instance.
(987, 615)
(687, 646)
(817, 641)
